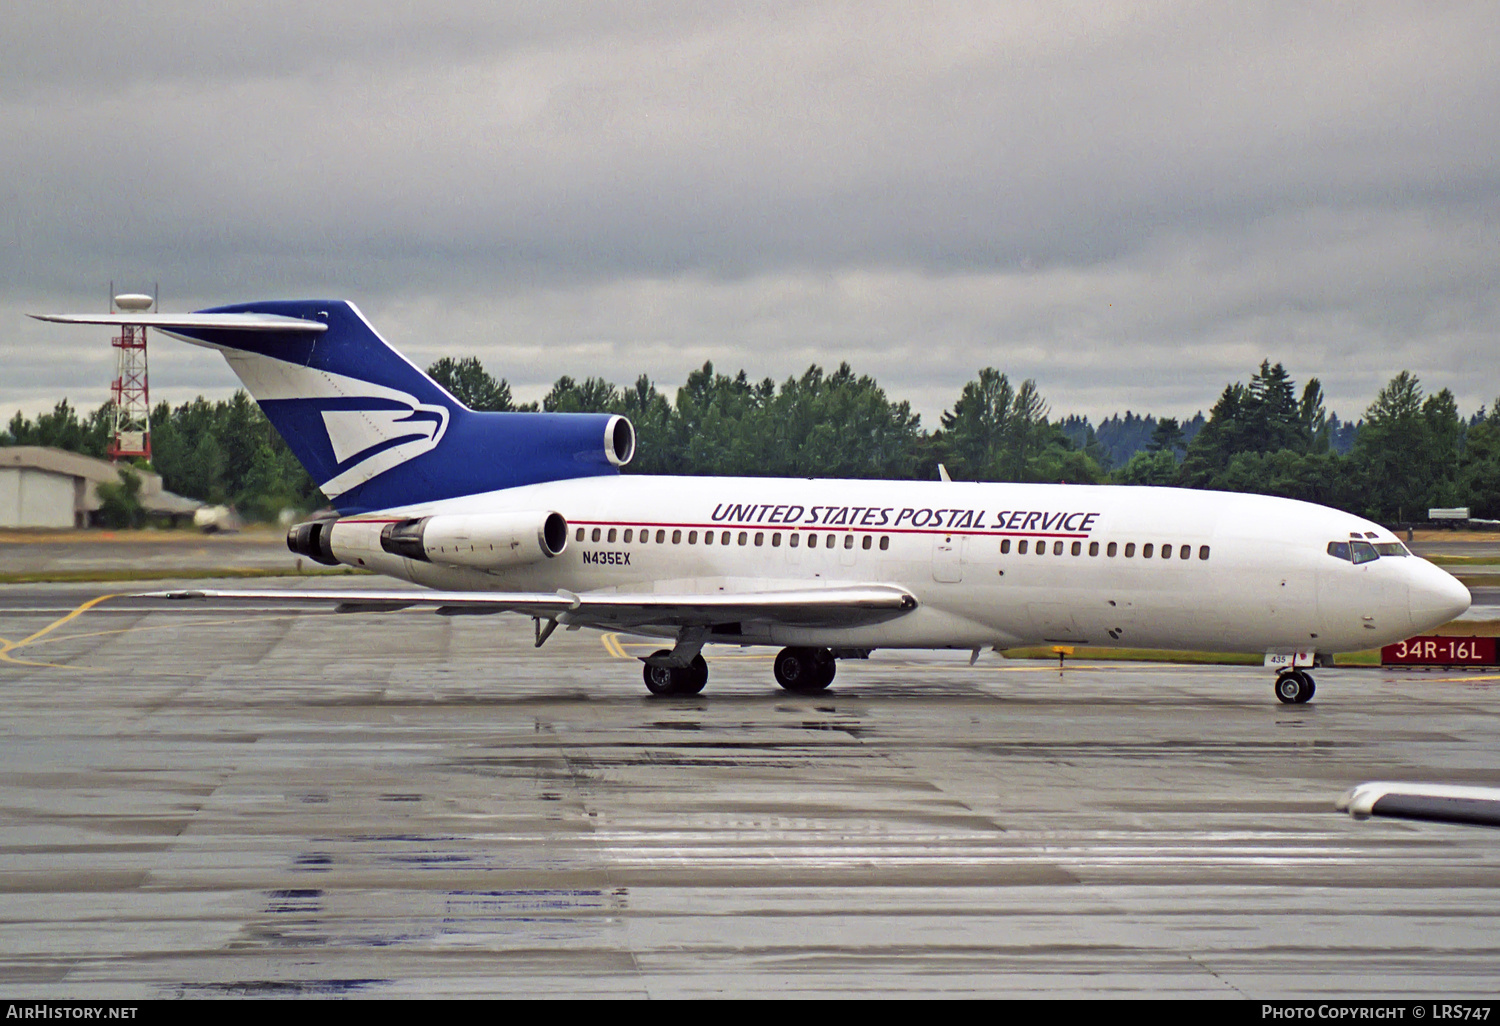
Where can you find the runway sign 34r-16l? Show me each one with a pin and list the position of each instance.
(1436, 650)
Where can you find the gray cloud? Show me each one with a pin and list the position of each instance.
(1133, 204)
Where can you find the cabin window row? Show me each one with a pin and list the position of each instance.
(1168, 550)
(794, 539)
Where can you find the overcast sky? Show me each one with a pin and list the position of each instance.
(1132, 203)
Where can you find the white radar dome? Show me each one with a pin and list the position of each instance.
(134, 302)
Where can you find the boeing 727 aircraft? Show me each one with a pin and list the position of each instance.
(528, 513)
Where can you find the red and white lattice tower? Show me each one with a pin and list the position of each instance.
(131, 390)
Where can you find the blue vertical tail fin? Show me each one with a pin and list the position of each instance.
(371, 428)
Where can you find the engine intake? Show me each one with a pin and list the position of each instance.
(483, 541)
(619, 441)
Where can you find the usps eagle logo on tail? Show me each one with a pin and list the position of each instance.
(371, 428)
(379, 434)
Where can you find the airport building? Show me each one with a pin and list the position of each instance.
(43, 487)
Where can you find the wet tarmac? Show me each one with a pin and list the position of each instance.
(1455, 543)
(214, 801)
(1485, 607)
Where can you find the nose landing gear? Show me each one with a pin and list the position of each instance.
(1294, 687)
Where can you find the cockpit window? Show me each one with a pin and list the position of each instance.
(1363, 552)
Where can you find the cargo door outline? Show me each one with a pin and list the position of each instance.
(947, 562)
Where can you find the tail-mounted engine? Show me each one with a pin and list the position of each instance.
(482, 540)
(619, 440)
(313, 540)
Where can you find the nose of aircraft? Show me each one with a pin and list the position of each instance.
(1436, 597)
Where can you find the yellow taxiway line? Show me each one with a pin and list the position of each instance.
(1464, 680)
(617, 648)
(7, 647)
(39, 638)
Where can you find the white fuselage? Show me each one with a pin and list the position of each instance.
(1246, 573)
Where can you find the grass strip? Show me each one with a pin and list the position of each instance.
(1136, 655)
(1164, 655)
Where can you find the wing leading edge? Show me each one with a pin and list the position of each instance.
(199, 321)
(1442, 803)
(820, 607)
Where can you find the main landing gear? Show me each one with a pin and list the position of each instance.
(676, 680)
(1294, 687)
(802, 671)
(805, 671)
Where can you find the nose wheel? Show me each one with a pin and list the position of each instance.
(1295, 687)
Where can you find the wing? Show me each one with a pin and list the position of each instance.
(1443, 803)
(813, 607)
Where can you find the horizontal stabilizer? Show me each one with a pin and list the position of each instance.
(817, 607)
(191, 321)
(1441, 803)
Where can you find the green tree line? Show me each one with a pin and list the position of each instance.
(223, 452)
(1409, 452)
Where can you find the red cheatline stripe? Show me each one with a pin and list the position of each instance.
(806, 528)
(814, 529)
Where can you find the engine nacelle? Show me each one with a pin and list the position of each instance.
(313, 540)
(619, 440)
(484, 541)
